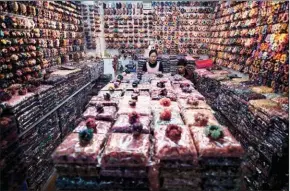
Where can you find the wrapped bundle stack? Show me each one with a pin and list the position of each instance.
(74, 158)
(67, 116)
(140, 65)
(13, 167)
(164, 60)
(175, 150)
(26, 108)
(125, 162)
(219, 157)
(46, 96)
(173, 66)
(252, 116)
(41, 146)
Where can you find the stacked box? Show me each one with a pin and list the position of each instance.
(67, 114)
(178, 161)
(125, 160)
(260, 125)
(27, 110)
(38, 144)
(220, 160)
(13, 166)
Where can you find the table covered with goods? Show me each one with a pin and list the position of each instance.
(153, 133)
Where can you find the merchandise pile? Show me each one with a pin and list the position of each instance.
(38, 122)
(13, 168)
(157, 133)
(259, 120)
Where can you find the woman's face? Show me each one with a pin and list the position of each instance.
(181, 69)
(152, 57)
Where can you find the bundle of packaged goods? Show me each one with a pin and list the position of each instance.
(26, 108)
(181, 154)
(12, 164)
(39, 143)
(252, 111)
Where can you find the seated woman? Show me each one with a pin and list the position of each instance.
(153, 66)
(182, 70)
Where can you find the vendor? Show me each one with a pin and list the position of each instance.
(182, 70)
(153, 66)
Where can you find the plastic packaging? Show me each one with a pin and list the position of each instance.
(125, 150)
(166, 149)
(70, 150)
(122, 124)
(191, 117)
(227, 146)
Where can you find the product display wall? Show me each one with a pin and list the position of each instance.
(252, 37)
(182, 27)
(92, 22)
(127, 25)
(36, 36)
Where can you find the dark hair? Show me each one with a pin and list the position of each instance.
(182, 62)
(152, 51)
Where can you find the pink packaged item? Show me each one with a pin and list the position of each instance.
(70, 150)
(102, 127)
(199, 117)
(126, 150)
(174, 147)
(122, 125)
(226, 146)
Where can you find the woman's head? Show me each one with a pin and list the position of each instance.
(152, 56)
(181, 66)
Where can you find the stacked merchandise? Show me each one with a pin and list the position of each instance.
(126, 27)
(26, 109)
(252, 37)
(91, 17)
(121, 154)
(38, 143)
(178, 159)
(253, 111)
(46, 95)
(181, 27)
(13, 167)
(67, 82)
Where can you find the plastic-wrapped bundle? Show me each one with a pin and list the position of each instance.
(192, 104)
(111, 101)
(178, 158)
(158, 94)
(122, 124)
(156, 84)
(141, 106)
(167, 148)
(157, 106)
(163, 118)
(71, 150)
(199, 117)
(102, 127)
(223, 153)
(125, 150)
(141, 93)
(108, 114)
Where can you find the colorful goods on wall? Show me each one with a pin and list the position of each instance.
(126, 25)
(182, 27)
(252, 37)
